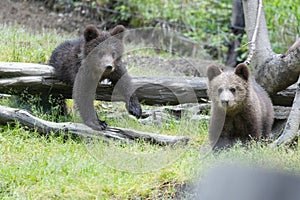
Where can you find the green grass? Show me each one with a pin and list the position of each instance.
(37, 167)
(21, 45)
(33, 166)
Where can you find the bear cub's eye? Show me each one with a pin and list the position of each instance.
(232, 89)
(220, 90)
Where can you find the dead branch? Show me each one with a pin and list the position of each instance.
(77, 129)
(292, 125)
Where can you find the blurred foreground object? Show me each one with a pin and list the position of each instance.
(248, 183)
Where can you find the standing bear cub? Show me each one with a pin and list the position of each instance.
(94, 57)
(240, 110)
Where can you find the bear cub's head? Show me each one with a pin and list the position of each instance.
(105, 48)
(228, 89)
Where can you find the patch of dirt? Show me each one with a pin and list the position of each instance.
(35, 16)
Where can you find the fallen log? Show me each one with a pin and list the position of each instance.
(37, 79)
(16, 69)
(150, 90)
(77, 129)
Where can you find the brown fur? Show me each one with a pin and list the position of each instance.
(241, 109)
(87, 60)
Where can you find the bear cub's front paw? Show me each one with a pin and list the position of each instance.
(97, 125)
(134, 107)
(102, 124)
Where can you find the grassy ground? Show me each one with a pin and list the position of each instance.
(60, 167)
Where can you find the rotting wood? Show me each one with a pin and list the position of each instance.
(77, 129)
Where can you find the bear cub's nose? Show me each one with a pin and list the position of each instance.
(109, 68)
(225, 103)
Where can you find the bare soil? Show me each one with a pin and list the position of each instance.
(35, 16)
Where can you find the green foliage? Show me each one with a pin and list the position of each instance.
(203, 21)
(283, 20)
(207, 21)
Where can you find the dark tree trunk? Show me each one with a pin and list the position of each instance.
(237, 27)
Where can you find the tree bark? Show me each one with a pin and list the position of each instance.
(77, 129)
(273, 71)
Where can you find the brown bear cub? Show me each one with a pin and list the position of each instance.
(94, 57)
(240, 109)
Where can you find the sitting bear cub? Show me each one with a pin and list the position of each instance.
(85, 61)
(240, 110)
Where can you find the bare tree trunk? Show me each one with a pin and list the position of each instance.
(273, 71)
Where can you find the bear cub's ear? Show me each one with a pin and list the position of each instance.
(117, 30)
(90, 32)
(213, 71)
(242, 71)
